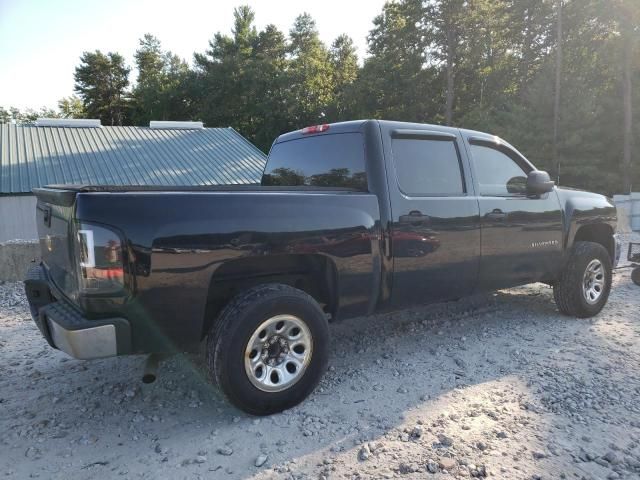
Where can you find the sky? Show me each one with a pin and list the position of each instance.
(41, 40)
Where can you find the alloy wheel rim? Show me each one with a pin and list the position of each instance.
(593, 281)
(278, 353)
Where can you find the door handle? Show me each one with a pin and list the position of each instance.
(415, 217)
(496, 214)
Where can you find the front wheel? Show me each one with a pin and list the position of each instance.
(268, 348)
(583, 287)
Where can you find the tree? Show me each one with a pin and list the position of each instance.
(558, 85)
(447, 17)
(101, 81)
(501, 66)
(344, 60)
(311, 83)
(531, 24)
(344, 63)
(160, 92)
(627, 90)
(221, 75)
(399, 78)
(269, 88)
(27, 116)
(150, 62)
(71, 107)
(628, 19)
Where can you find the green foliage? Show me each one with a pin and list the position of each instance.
(160, 92)
(396, 80)
(101, 82)
(344, 66)
(311, 83)
(71, 107)
(223, 77)
(263, 85)
(482, 64)
(25, 117)
(268, 88)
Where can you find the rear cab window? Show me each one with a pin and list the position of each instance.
(330, 160)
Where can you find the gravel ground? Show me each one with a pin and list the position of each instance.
(498, 386)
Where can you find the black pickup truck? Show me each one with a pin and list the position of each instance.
(351, 218)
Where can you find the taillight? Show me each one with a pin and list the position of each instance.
(315, 129)
(100, 260)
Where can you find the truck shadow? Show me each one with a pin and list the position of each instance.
(471, 362)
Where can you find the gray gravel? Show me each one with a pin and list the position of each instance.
(497, 386)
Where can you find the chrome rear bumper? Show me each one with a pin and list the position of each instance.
(67, 330)
(79, 337)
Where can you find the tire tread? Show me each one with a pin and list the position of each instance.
(565, 293)
(221, 331)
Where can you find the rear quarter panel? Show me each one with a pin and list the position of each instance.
(177, 241)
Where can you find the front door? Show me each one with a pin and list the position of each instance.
(521, 234)
(435, 237)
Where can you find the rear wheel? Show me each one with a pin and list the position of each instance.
(268, 348)
(635, 275)
(583, 287)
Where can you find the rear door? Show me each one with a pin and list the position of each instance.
(435, 236)
(521, 234)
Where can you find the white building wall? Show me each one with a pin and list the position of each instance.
(628, 210)
(18, 218)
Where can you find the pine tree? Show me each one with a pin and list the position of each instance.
(311, 82)
(269, 88)
(344, 63)
(71, 107)
(101, 81)
(160, 91)
(397, 80)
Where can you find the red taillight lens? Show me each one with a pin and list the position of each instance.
(100, 262)
(315, 129)
(115, 274)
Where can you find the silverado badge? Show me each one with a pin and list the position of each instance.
(545, 243)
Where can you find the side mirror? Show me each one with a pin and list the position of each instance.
(538, 182)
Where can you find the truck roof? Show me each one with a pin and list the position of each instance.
(356, 125)
(339, 127)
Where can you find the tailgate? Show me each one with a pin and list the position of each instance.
(54, 219)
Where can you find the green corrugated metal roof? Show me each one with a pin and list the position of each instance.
(32, 156)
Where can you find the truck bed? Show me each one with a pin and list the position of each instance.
(190, 188)
(181, 241)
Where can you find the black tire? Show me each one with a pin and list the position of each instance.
(635, 275)
(568, 290)
(239, 320)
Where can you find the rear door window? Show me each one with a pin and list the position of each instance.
(426, 167)
(322, 161)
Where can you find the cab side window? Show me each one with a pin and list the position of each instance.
(427, 167)
(498, 174)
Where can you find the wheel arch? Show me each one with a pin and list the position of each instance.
(314, 274)
(601, 233)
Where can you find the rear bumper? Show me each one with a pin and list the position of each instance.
(66, 329)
